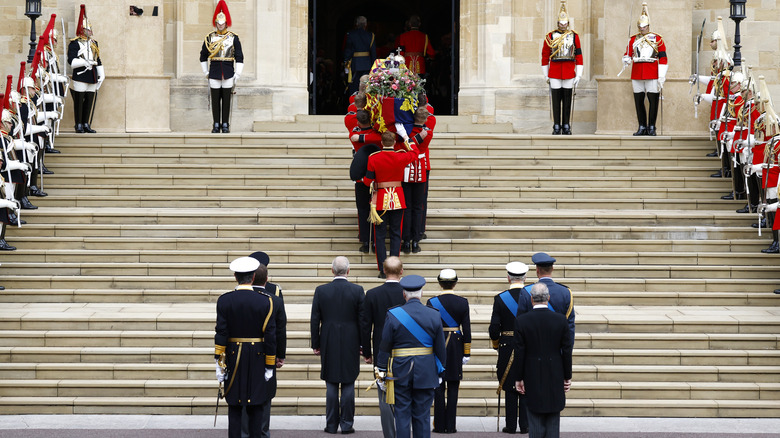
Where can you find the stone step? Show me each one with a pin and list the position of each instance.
(228, 171)
(439, 178)
(322, 270)
(507, 203)
(702, 257)
(312, 389)
(760, 345)
(687, 288)
(431, 248)
(346, 191)
(346, 216)
(479, 407)
(201, 316)
(535, 158)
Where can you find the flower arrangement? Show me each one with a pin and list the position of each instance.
(391, 78)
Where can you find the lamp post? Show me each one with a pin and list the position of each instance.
(737, 13)
(33, 11)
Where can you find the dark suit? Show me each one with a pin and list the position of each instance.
(501, 331)
(378, 301)
(561, 301)
(415, 385)
(335, 330)
(458, 345)
(242, 314)
(544, 354)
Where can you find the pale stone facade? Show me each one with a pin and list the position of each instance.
(154, 82)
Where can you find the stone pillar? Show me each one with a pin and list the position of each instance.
(135, 96)
(672, 19)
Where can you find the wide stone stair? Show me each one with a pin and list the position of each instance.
(109, 300)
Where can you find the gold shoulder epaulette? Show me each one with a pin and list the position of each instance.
(374, 153)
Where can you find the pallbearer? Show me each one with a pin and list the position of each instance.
(223, 49)
(646, 53)
(562, 66)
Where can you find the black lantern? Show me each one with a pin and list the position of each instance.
(32, 9)
(737, 13)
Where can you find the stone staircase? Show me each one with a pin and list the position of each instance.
(109, 301)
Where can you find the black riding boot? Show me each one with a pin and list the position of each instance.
(653, 99)
(216, 108)
(557, 98)
(89, 102)
(567, 93)
(641, 114)
(226, 95)
(4, 246)
(78, 109)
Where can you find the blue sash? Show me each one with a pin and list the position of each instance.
(445, 316)
(418, 332)
(528, 290)
(511, 304)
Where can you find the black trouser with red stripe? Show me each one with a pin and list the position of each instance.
(392, 223)
(414, 195)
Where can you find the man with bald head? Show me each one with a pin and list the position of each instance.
(336, 337)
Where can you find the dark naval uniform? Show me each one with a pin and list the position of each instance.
(413, 354)
(246, 335)
(359, 55)
(501, 331)
(378, 301)
(454, 313)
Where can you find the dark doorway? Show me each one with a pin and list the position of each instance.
(330, 20)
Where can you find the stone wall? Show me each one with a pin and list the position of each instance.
(500, 46)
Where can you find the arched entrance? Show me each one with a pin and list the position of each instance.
(330, 20)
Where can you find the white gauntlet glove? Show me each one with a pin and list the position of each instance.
(269, 372)
(205, 67)
(81, 62)
(101, 76)
(5, 203)
(466, 359)
(220, 372)
(16, 165)
(381, 384)
(626, 60)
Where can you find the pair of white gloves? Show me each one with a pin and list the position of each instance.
(236, 74)
(269, 372)
(80, 62)
(578, 70)
(662, 69)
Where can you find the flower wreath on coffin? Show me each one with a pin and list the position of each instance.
(391, 95)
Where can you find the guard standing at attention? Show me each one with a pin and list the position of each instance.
(562, 66)
(502, 338)
(454, 313)
(88, 73)
(411, 360)
(646, 53)
(222, 49)
(245, 348)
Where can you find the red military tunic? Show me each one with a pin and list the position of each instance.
(415, 172)
(646, 51)
(562, 52)
(416, 46)
(387, 167)
(365, 136)
(350, 121)
(720, 90)
(736, 102)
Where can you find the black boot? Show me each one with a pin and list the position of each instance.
(566, 110)
(718, 174)
(713, 154)
(4, 246)
(556, 96)
(47, 171)
(89, 102)
(729, 197)
(556, 130)
(78, 108)
(641, 114)
(774, 248)
(747, 209)
(416, 247)
(51, 150)
(653, 99)
(226, 109)
(406, 247)
(216, 108)
(26, 204)
(13, 219)
(35, 191)
(756, 225)
(364, 248)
